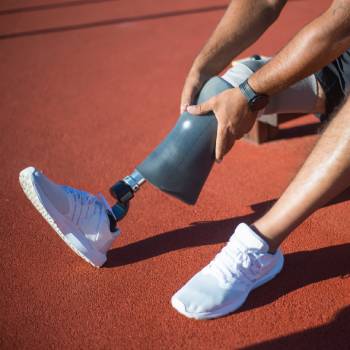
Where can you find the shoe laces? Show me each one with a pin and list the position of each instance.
(235, 261)
(86, 205)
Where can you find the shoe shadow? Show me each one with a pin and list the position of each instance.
(332, 335)
(302, 269)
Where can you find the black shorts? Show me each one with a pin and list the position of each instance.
(335, 81)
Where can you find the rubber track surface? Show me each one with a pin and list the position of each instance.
(87, 89)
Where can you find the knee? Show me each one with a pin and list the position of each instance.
(255, 62)
(244, 68)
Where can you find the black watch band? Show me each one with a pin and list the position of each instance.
(256, 101)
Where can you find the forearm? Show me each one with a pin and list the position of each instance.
(243, 23)
(315, 46)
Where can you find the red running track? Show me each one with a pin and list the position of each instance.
(87, 90)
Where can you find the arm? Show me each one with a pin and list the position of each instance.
(312, 48)
(315, 46)
(242, 24)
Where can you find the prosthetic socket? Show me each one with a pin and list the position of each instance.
(181, 163)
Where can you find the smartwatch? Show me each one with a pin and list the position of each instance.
(256, 101)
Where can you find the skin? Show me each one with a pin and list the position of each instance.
(230, 38)
(328, 35)
(325, 173)
(327, 169)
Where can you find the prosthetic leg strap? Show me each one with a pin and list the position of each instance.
(298, 98)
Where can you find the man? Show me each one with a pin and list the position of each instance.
(251, 257)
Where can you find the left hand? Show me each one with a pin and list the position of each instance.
(234, 118)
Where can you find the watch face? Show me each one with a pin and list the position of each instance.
(259, 102)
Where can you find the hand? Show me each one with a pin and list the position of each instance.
(194, 82)
(234, 118)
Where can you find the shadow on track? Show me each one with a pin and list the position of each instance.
(198, 234)
(53, 6)
(301, 268)
(111, 22)
(299, 131)
(332, 335)
(263, 206)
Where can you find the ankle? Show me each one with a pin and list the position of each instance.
(273, 245)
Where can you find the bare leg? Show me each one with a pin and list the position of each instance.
(325, 173)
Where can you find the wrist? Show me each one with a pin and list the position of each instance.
(199, 76)
(255, 85)
(256, 101)
(202, 68)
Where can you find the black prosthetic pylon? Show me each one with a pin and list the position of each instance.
(123, 191)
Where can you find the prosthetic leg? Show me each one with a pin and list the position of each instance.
(181, 164)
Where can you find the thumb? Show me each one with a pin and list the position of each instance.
(201, 108)
(187, 98)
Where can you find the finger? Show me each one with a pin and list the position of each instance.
(219, 146)
(187, 97)
(201, 108)
(183, 107)
(224, 142)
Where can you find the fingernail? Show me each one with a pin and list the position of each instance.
(183, 107)
(191, 109)
(218, 161)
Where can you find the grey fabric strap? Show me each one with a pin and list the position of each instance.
(298, 98)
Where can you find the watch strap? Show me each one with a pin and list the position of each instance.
(247, 91)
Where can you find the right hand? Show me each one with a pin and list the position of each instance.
(192, 86)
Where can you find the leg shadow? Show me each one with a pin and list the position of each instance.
(197, 234)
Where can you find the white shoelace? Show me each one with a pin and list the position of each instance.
(84, 202)
(235, 261)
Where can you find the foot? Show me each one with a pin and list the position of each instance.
(224, 285)
(82, 220)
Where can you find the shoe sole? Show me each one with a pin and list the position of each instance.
(75, 238)
(228, 309)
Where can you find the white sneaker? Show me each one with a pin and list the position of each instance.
(224, 285)
(80, 219)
